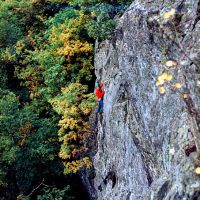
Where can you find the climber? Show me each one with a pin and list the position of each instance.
(99, 94)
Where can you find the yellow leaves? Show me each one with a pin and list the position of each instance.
(86, 111)
(197, 170)
(33, 1)
(161, 80)
(64, 155)
(74, 166)
(185, 96)
(75, 106)
(70, 123)
(72, 47)
(177, 85)
(169, 77)
(70, 136)
(87, 162)
(161, 90)
(66, 38)
(164, 77)
(73, 103)
(73, 88)
(61, 131)
(170, 14)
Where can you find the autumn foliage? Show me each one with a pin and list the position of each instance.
(46, 90)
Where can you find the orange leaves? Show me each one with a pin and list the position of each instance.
(74, 166)
(24, 130)
(75, 152)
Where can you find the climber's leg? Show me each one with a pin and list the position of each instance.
(101, 106)
(98, 108)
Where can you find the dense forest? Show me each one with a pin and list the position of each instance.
(47, 83)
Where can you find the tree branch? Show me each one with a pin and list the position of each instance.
(42, 183)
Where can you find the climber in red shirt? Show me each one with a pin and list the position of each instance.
(99, 94)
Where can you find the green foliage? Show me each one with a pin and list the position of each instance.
(9, 23)
(102, 28)
(26, 142)
(13, 15)
(8, 135)
(46, 57)
(61, 17)
(55, 193)
(67, 55)
(9, 27)
(102, 22)
(3, 78)
(75, 105)
(90, 2)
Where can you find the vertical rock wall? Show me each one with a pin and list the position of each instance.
(146, 141)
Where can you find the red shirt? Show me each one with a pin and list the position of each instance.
(99, 92)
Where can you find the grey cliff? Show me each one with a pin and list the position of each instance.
(148, 142)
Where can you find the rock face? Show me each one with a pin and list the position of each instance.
(147, 142)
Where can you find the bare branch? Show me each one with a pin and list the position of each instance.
(42, 183)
